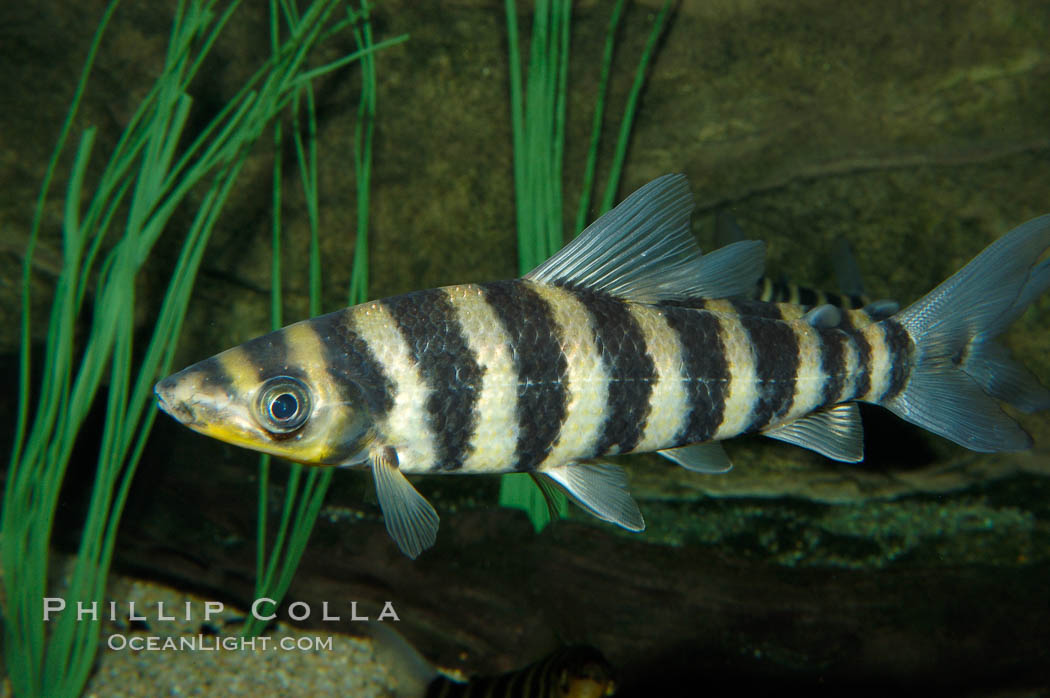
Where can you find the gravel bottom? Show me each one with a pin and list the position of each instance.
(212, 661)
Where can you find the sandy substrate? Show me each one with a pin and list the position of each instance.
(194, 657)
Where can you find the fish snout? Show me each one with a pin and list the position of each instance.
(164, 391)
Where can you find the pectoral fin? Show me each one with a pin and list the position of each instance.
(410, 519)
(601, 489)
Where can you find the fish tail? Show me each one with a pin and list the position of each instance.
(958, 373)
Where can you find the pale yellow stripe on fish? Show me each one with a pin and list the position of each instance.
(306, 352)
(789, 312)
(766, 292)
(858, 318)
(587, 381)
(850, 366)
(669, 401)
(719, 305)
(880, 363)
(495, 436)
(809, 376)
(241, 370)
(405, 427)
(742, 391)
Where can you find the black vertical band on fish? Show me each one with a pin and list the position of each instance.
(703, 353)
(540, 366)
(427, 321)
(769, 311)
(343, 348)
(899, 344)
(266, 351)
(622, 346)
(776, 367)
(862, 380)
(833, 363)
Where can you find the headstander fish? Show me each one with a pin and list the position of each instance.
(627, 340)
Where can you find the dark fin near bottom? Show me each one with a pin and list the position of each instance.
(727, 230)
(881, 309)
(836, 433)
(550, 495)
(824, 317)
(601, 489)
(410, 519)
(414, 673)
(709, 457)
(957, 373)
(847, 271)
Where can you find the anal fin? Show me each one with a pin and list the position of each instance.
(410, 519)
(835, 432)
(707, 457)
(601, 489)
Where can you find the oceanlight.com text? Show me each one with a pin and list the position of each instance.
(212, 643)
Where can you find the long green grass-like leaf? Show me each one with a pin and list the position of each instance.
(538, 127)
(301, 506)
(627, 122)
(599, 117)
(147, 172)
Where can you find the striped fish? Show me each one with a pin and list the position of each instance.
(577, 671)
(628, 340)
(851, 295)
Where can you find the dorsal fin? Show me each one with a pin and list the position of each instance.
(643, 251)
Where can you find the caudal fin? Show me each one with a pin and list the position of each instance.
(958, 371)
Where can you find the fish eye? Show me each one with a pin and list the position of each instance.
(283, 404)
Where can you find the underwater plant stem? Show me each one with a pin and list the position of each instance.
(148, 176)
(34, 233)
(538, 132)
(599, 117)
(303, 504)
(627, 122)
(538, 127)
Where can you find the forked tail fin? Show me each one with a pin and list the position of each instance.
(958, 372)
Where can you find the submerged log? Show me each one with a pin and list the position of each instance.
(493, 595)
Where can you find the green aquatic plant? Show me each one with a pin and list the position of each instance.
(154, 167)
(274, 572)
(537, 110)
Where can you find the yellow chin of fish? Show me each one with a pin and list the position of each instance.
(255, 439)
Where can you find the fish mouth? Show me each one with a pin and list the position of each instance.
(177, 409)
